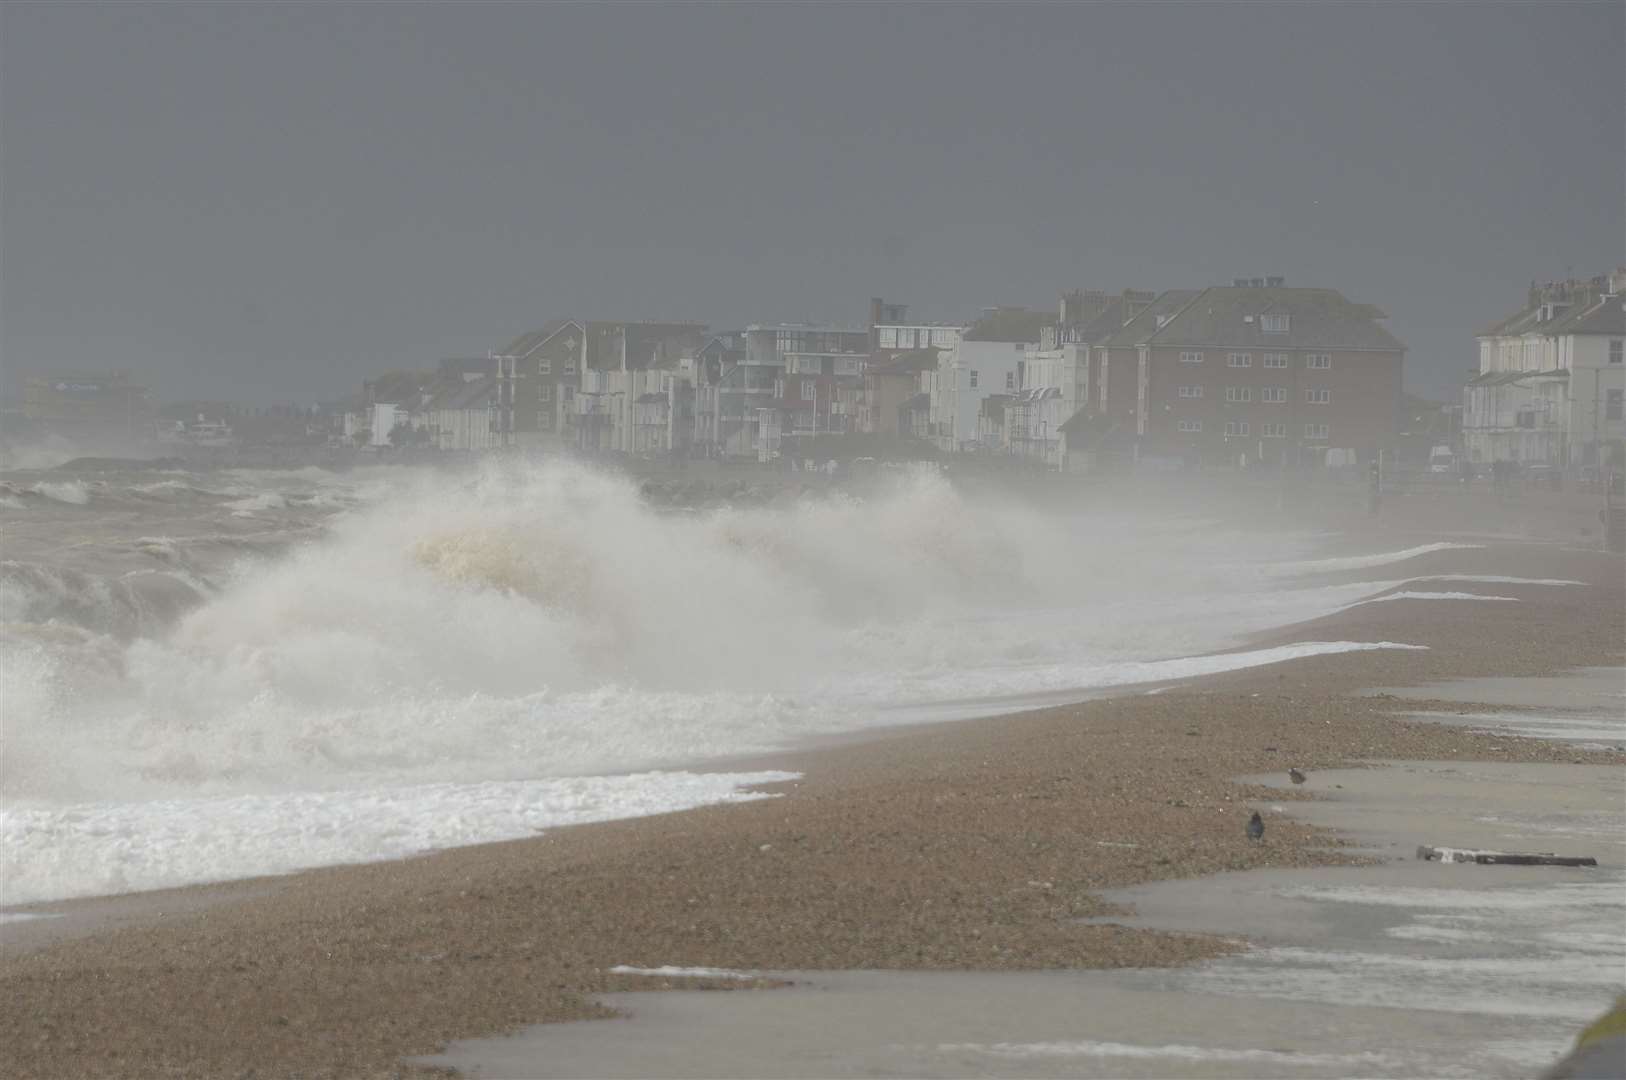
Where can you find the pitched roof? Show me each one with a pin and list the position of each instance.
(1229, 316)
(1085, 424)
(1137, 330)
(1010, 324)
(1104, 325)
(1502, 378)
(458, 394)
(1606, 316)
(526, 344)
(1572, 304)
(904, 362)
(398, 387)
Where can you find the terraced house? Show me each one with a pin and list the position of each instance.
(1551, 378)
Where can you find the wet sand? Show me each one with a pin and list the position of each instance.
(1405, 969)
(979, 845)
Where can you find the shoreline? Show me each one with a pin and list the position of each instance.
(1395, 967)
(347, 970)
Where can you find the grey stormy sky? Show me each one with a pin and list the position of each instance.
(269, 202)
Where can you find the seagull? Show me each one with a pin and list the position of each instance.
(1256, 827)
(1295, 776)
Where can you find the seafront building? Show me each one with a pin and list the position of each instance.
(1254, 372)
(88, 402)
(1551, 377)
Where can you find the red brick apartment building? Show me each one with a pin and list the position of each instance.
(1251, 372)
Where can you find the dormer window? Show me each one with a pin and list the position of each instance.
(1273, 324)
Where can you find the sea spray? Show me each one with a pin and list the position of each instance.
(520, 622)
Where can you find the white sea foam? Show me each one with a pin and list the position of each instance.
(73, 492)
(526, 624)
(1165, 1052)
(52, 852)
(265, 500)
(1412, 595)
(1363, 562)
(1497, 579)
(683, 972)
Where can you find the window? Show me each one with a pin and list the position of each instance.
(1191, 391)
(1275, 359)
(1010, 380)
(1274, 395)
(1318, 361)
(1616, 348)
(1239, 359)
(973, 378)
(1318, 397)
(1275, 431)
(1315, 431)
(810, 391)
(544, 391)
(567, 394)
(1273, 324)
(544, 366)
(1191, 358)
(1238, 393)
(1190, 425)
(1236, 427)
(570, 367)
(1614, 405)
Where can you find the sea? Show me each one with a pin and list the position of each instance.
(214, 674)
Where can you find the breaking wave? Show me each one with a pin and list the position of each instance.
(533, 622)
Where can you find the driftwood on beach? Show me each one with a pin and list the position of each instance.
(1501, 858)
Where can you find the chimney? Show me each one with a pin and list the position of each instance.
(1134, 302)
(1072, 307)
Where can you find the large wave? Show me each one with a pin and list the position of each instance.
(521, 622)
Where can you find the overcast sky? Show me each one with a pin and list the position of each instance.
(268, 203)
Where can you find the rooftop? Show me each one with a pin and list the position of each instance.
(1232, 316)
(1010, 324)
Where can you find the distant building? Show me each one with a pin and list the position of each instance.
(460, 413)
(1551, 376)
(794, 378)
(542, 377)
(1250, 372)
(107, 402)
(1057, 377)
(892, 380)
(988, 359)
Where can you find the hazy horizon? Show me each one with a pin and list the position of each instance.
(271, 202)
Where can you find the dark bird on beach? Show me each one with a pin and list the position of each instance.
(1295, 776)
(1256, 827)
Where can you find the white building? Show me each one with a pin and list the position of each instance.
(1055, 385)
(988, 360)
(1551, 378)
(462, 416)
